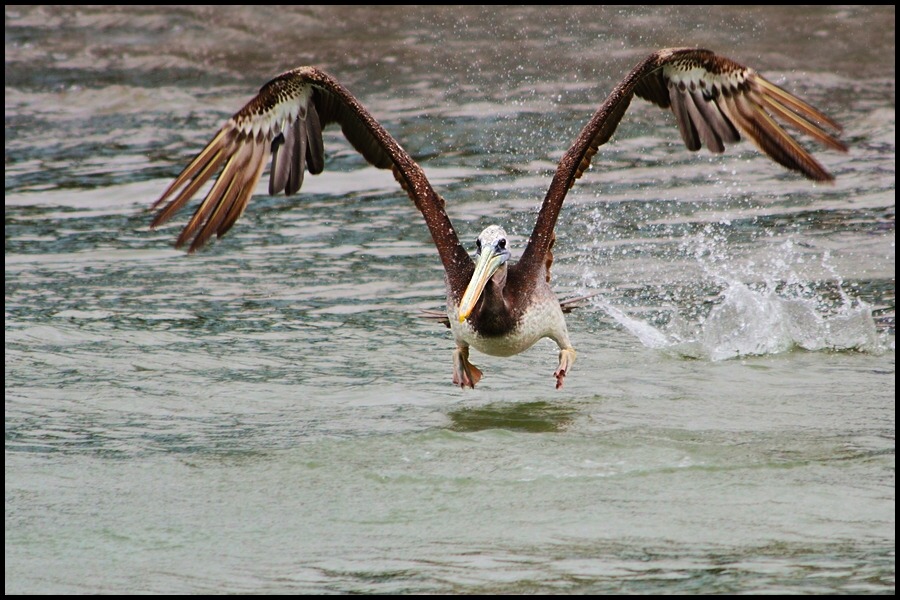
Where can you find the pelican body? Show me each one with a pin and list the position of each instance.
(495, 305)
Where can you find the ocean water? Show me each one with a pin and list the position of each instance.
(272, 414)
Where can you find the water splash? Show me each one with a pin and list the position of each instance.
(782, 312)
(770, 320)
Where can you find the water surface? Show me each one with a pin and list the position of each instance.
(273, 415)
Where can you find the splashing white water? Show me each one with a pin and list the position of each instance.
(751, 322)
(782, 314)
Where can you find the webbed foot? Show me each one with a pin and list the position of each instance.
(465, 374)
(566, 360)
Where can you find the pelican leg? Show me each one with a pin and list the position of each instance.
(465, 374)
(566, 360)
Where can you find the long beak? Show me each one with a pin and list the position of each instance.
(487, 264)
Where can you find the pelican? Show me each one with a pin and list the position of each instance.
(495, 305)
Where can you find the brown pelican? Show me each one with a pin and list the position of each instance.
(495, 305)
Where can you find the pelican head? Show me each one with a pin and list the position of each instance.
(490, 255)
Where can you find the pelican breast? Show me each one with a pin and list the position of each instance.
(543, 317)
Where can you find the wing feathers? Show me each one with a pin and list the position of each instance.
(282, 156)
(222, 139)
(714, 100)
(201, 170)
(225, 180)
(282, 120)
(315, 147)
(297, 142)
(683, 118)
(801, 122)
(286, 120)
(795, 103)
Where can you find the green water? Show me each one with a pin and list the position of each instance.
(273, 415)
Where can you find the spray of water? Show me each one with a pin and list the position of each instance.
(763, 307)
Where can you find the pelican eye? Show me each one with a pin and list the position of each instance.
(478, 244)
(502, 244)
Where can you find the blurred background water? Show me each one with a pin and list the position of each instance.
(272, 414)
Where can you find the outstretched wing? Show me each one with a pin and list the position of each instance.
(714, 100)
(286, 120)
